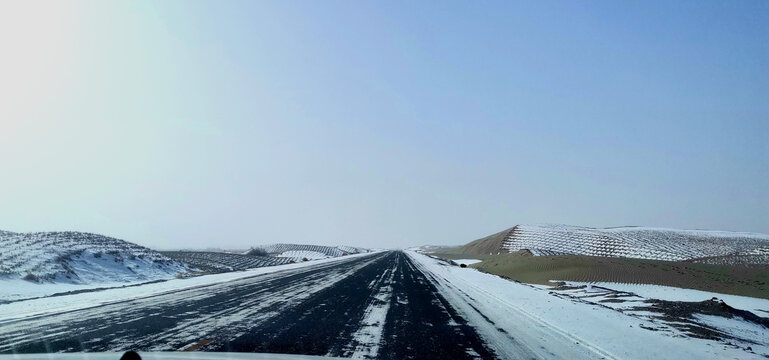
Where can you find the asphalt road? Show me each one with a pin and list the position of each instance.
(379, 306)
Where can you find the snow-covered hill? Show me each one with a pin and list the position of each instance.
(210, 261)
(640, 242)
(80, 258)
(310, 252)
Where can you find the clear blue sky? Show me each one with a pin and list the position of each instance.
(193, 124)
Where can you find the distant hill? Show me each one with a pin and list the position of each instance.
(717, 247)
(80, 258)
(310, 252)
(488, 245)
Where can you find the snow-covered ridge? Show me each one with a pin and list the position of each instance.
(80, 258)
(310, 252)
(639, 242)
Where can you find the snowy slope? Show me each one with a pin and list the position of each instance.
(80, 258)
(210, 261)
(640, 242)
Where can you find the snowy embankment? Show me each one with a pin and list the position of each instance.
(556, 327)
(55, 304)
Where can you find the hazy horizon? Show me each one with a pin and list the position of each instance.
(197, 124)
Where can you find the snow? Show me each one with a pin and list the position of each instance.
(640, 242)
(164, 356)
(497, 307)
(21, 309)
(466, 261)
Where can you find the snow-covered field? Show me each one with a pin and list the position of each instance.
(640, 242)
(517, 318)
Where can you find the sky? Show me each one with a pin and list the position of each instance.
(193, 124)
